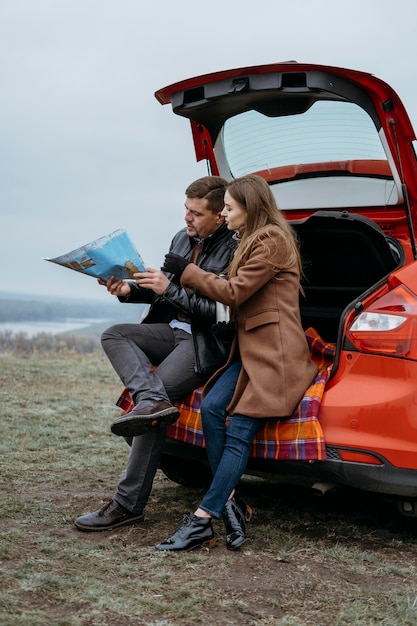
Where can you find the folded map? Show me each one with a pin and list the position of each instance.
(111, 255)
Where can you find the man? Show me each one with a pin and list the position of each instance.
(169, 354)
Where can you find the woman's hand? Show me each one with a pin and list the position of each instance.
(174, 264)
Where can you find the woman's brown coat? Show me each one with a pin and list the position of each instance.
(276, 364)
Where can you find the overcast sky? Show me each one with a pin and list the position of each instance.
(85, 148)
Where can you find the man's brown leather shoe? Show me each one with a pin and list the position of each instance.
(145, 416)
(109, 516)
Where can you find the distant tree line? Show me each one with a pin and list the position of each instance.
(38, 310)
(46, 343)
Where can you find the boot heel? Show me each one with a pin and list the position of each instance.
(235, 515)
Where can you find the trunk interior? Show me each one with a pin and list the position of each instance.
(343, 256)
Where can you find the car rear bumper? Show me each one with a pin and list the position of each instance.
(383, 478)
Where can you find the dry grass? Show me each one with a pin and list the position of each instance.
(340, 560)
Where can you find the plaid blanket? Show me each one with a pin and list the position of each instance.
(299, 437)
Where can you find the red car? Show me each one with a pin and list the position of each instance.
(336, 147)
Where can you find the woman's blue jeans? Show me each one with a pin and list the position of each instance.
(227, 447)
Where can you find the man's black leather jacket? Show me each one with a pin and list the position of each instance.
(217, 251)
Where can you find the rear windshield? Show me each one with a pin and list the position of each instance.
(327, 131)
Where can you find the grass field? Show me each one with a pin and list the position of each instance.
(344, 559)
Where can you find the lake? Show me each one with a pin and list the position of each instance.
(34, 328)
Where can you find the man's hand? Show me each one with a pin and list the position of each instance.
(174, 264)
(152, 279)
(119, 288)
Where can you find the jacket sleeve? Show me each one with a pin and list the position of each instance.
(138, 295)
(251, 277)
(198, 308)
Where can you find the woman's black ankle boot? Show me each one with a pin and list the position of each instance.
(235, 516)
(194, 532)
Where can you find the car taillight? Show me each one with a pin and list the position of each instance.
(388, 326)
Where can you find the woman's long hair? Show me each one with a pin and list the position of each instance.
(263, 218)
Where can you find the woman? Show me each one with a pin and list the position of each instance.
(269, 366)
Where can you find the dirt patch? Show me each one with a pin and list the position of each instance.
(343, 559)
(306, 557)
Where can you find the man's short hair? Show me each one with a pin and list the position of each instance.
(210, 188)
